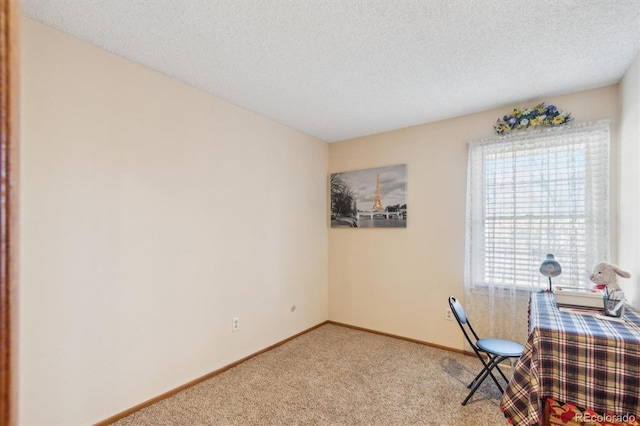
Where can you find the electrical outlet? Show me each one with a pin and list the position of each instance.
(448, 315)
(235, 324)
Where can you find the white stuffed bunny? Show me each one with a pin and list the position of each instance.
(604, 275)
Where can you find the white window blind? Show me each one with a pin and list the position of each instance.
(535, 193)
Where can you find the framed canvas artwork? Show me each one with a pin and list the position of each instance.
(370, 198)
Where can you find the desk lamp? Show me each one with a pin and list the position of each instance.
(550, 268)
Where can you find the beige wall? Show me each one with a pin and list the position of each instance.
(398, 280)
(629, 211)
(152, 214)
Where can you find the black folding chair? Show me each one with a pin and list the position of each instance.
(496, 350)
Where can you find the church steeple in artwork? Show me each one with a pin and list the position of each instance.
(377, 205)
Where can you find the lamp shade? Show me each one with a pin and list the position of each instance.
(550, 267)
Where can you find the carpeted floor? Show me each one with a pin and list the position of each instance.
(335, 375)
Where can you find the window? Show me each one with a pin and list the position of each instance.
(537, 193)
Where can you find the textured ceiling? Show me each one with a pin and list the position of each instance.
(338, 69)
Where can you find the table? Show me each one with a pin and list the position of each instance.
(577, 359)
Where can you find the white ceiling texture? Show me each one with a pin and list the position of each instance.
(339, 69)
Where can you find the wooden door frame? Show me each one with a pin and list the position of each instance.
(9, 124)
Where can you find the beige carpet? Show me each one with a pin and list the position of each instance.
(335, 375)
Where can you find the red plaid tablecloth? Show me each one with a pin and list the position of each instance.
(578, 359)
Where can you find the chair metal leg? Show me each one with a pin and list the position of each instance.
(501, 373)
(486, 371)
(495, 365)
(477, 384)
(476, 378)
(486, 366)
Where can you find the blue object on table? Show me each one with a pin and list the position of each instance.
(550, 268)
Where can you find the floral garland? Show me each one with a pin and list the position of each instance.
(541, 115)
